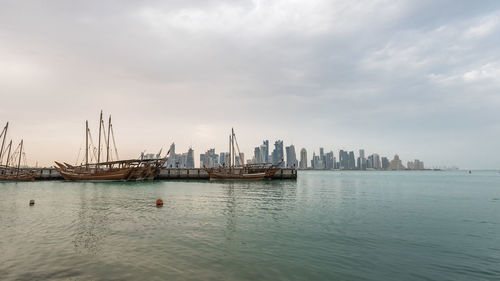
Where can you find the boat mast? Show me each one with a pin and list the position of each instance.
(4, 134)
(19, 161)
(99, 143)
(107, 142)
(232, 144)
(87, 143)
(114, 142)
(238, 147)
(8, 154)
(230, 155)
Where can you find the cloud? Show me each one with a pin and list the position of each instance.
(383, 75)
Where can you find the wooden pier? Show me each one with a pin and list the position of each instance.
(172, 174)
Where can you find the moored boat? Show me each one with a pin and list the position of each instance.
(11, 173)
(117, 170)
(241, 171)
(14, 174)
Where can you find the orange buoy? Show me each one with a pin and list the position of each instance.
(32, 202)
(159, 203)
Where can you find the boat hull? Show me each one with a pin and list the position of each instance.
(125, 170)
(250, 172)
(117, 175)
(14, 175)
(229, 176)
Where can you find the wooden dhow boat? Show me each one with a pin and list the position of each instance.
(109, 170)
(10, 173)
(240, 171)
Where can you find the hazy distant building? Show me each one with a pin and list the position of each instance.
(265, 151)
(223, 158)
(303, 159)
(322, 157)
(415, 165)
(291, 157)
(257, 154)
(184, 160)
(316, 162)
(277, 154)
(240, 159)
(362, 160)
(209, 159)
(329, 161)
(148, 156)
(376, 161)
(343, 160)
(396, 164)
(385, 163)
(190, 158)
(171, 159)
(203, 162)
(369, 162)
(351, 161)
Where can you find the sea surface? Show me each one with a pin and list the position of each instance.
(331, 225)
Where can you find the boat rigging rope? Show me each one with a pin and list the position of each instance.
(114, 143)
(239, 153)
(79, 151)
(105, 138)
(92, 146)
(25, 162)
(13, 155)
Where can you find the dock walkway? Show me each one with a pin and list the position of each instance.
(171, 174)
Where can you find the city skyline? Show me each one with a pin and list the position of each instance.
(347, 160)
(417, 78)
(180, 159)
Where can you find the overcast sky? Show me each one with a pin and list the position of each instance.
(417, 78)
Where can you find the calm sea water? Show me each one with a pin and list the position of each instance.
(324, 226)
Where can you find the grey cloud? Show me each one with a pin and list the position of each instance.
(411, 77)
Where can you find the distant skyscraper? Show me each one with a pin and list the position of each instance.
(257, 154)
(362, 160)
(369, 162)
(385, 163)
(223, 158)
(329, 161)
(291, 157)
(376, 161)
(343, 160)
(351, 161)
(265, 152)
(172, 149)
(242, 158)
(190, 158)
(171, 159)
(278, 153)
(303, 158)
(316, 162)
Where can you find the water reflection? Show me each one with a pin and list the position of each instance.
(92, 224)
(259, 199)
(230, 211)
